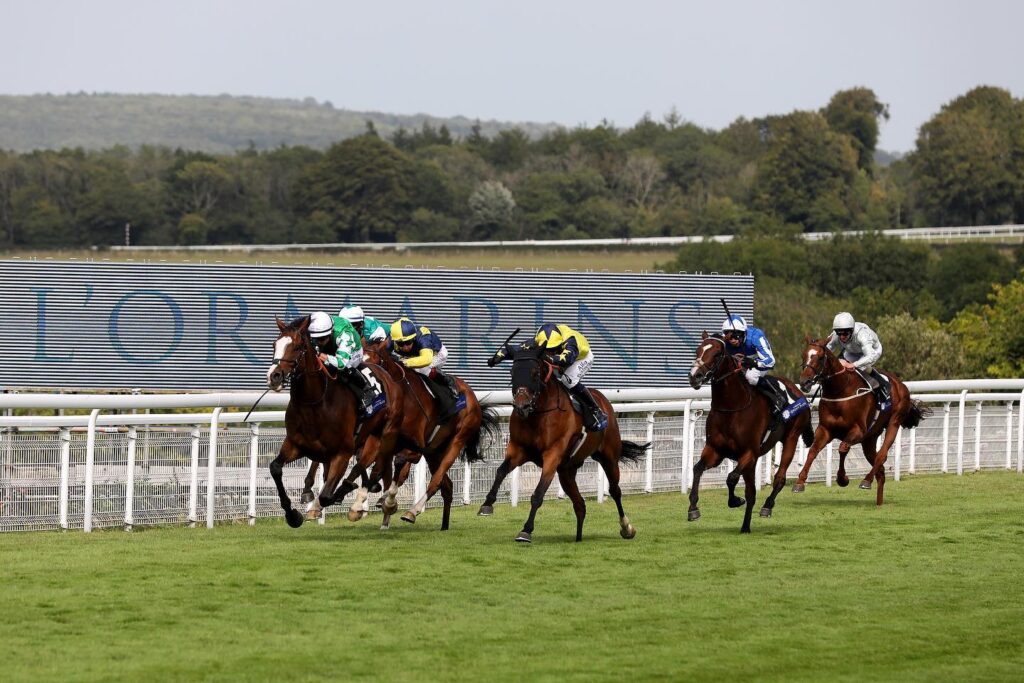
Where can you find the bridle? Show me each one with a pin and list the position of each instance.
(532, 395)
(819, 372)
(712, 372)
(296, 363)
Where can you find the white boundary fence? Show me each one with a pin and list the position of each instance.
(109, 469)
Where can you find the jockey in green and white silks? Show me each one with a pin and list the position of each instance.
(858, 348)
(338, 345)
(368, 327)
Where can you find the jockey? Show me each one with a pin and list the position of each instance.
(572, 355)
(337, 344)
(758, 358)
(420, 349)
(861, 349)
(369, 328)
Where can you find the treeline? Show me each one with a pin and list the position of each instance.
(941, 312)
(776, 175)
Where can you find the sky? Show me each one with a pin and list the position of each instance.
(572, 62)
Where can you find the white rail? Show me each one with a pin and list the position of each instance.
(1014, 233)
(104, 469)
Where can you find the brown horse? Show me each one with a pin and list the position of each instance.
(849, 411)
(739, 427)
(321, 422)
(545, 429)
(421, 433)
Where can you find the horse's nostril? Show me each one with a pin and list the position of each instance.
(276, 377)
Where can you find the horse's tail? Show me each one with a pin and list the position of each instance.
(808, 433)
(917, 412)
(489, 425)
(632, 452)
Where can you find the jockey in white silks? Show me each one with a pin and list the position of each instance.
(859, 348)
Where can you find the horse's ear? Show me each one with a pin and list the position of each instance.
(280, 324)
(807, 339)
(704, 335)
(304, 325)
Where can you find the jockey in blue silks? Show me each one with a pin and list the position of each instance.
(758, 358)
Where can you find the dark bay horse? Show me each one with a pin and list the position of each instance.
(545, 429)
(321, 421)
(739, 427)
(849, 411)
(420, 434)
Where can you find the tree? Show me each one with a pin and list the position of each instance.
(192, 229)
(992, 335)
(964, 275)
(856, 112)
(915, 348)
(491, 207)
(201, 184)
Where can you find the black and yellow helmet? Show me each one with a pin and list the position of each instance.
(549, 337)
(403, 330)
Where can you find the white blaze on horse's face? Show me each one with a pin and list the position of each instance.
(698, 361)
(280, 348)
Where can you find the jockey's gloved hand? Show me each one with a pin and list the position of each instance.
(495, 359)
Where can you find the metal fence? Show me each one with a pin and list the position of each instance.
(123, 470)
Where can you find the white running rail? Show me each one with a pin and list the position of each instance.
(111, 469)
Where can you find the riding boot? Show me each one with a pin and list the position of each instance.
(359, 384)
(446, 392)
(882, 393)
(778, 400)
(594, 419)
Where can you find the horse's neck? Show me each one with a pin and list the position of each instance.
(839, 381)
(728, 388)
(308, 386)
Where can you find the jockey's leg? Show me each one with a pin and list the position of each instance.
(775, 396)
(594, 418)
(882, 392)
(359, 384)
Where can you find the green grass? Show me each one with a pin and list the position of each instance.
(614, 260)
(926, 588)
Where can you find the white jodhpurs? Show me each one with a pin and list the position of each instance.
(572, 375)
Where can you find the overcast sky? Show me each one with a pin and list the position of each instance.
(571, 62)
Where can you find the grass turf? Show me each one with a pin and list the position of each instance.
(926, 588)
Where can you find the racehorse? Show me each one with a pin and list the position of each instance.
(545, 429)
(322, 421)
(740, 427)
(421, 433)
(850, 412)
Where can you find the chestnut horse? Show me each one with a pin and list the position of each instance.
(421, 433)
(739, 427)
(849, 411)
(321, 422)
(545, 429)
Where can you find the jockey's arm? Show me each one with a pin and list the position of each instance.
(872, 349)
(346, 346)
(832, 343)
(378, 335)
(765, 357)
(570, 352)
(423, 359)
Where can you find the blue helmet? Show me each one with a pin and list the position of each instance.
(403, 330)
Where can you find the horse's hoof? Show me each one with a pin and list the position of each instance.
(693, 515)
(294, 518)
(355, 515)
(627, 532)
(307, 498)
(385, 527)
(409, 517)
(766, 512)
(486, 511)
(523, 537)
(390, 509)
(799, 488)
(376, 488)
(866, 485)
(843, 482)
(737, 502)
(745, 530)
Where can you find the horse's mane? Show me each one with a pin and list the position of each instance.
(296, 323)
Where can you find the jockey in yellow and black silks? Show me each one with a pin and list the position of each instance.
(419, 349)
(570, 352)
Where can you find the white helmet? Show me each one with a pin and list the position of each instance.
(843, 321)
(734, 323)
(320, 324)
(353, 314)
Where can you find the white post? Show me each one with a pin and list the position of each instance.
(828, 464)
(899, 453)
(65, 468)
(90, 463)
(193, 489)
(1009, 434)
(129, 482)
(1020, 433)
(945, 438)
(960, 434)
(254, 454)
(913, 451)
(420, 479)
(602, 484)
(211, 469)
(977, 438)
(686, 476)
(514, 488)
(467, 472)
(649, 456)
